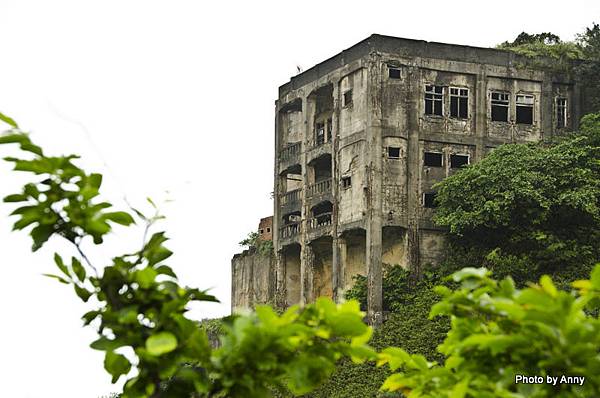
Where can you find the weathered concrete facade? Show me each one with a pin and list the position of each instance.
(361, 139)
(252, 280)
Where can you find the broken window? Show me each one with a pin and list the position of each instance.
(268, 230)
(525, 108)
(348, 98)
(433, 100)
(459, 103)
(262, 231)
(394, 73)
(429, 200)
(500, 103)
(458, 161)
(393, 152)
(432, 159)
(346, 182)
(561, 113)
(320, 134)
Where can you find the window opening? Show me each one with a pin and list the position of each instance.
(433, 100)
(459, 103)
(500, 103)
(429, 200)
(348, 98)
(394, 73)
(329, 129)
(433, 159)
(346, 182)
(525, 109)
(320, 131)
(458, 161)
(393, 152)
(561, 113)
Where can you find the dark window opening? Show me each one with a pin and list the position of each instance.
(346, 182)
(432, 159)
(433, 100)
(348, 98)
(322, 214)
(262, 231)
(561, 113)
(500, 105)
(457, 161)
(393, 152)
(329, 129)
(320, 133)
(525, 109)
(429, 200)
(459, 103)
(268, 230)
(394, 73)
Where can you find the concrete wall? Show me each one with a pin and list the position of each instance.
(252, 280)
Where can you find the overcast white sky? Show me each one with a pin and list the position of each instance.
(179, 96)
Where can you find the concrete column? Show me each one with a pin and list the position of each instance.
(546, 106)
(280, 290)
(307, 267)
(339, 266)
(279, 269)
(480, 113)
(413, 168)
(374, 216)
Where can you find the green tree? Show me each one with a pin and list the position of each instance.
(534, 201)
(140, 307)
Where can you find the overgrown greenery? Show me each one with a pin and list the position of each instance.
(255, 242)
(140, 307)
(580, 57)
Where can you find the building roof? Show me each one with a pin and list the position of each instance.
(409, 47)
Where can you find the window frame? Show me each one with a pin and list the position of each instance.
(346, 182)
(525, 105)
(423, 201)
(436, 153)
(467, 155)
(459, 96)
(565, 112)
(500, 102)
(430, 90)
(348, 94)
(391, 68)
(393, 157)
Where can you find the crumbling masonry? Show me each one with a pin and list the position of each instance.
(360, 140)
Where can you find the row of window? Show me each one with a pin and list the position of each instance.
(434, 159)
(500, 105)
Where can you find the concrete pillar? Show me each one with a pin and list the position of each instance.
(307, 267)
(374, 216)
(546, 107)
(280, 290)
(305, 250)
(413, 168)
(480, 113)
(339, 267)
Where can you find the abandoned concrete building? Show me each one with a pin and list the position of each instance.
(360, 140)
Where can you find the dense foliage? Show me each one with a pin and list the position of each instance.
(532, 201)
(140, 308)
(499, 332)
(254, 242)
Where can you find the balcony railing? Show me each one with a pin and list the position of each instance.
(291, 197)
(287, 231)
(319, 188)
(290, 152)
(321, 220)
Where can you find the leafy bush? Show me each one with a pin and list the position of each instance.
(254, 242)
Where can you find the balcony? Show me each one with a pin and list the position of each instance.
(291, 153)
(319, 221)
(291, 197)
(319, 188)
(289, 231)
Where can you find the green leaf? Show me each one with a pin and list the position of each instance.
(15, 198)
(61, 265)
(145, 277)
(78, 269)
(8, 121)
(161, 343)
(105, 344)
(595, 277)
(83, 293)
(119, 217)
(58, 278)
(116, 364)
